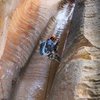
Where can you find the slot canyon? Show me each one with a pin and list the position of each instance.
(27, 75)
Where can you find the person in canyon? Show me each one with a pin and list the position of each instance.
(49, 47)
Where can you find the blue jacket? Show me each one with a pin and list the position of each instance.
(50, 45)
(47, 47)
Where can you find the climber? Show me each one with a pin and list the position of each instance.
(49, 46)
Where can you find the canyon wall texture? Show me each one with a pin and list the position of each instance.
(78, 75)
(7, 7)
(26, 26)
(25, 74)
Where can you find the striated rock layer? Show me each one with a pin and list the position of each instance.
(7, 7)
(27, 23)
(78, 76)
(37, 78)
(25, 75)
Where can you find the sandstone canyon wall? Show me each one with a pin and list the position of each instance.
(25, 74)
